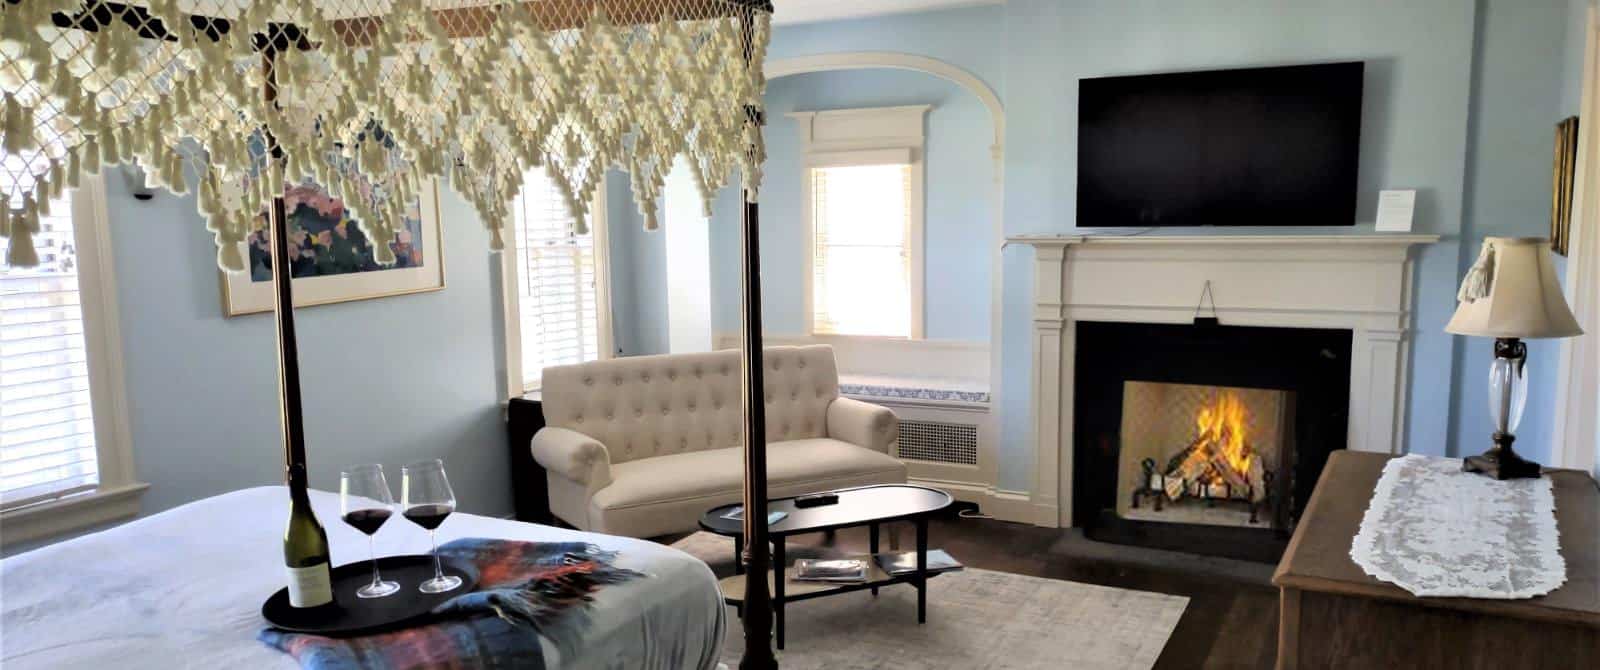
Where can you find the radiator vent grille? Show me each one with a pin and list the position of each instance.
(939, 442)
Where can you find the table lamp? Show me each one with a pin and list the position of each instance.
(1510, 294)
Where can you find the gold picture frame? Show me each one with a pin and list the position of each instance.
(422, 271)
(1566, 161)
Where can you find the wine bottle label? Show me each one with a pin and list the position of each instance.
(310, 586)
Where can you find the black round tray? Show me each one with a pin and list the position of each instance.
(350, 615)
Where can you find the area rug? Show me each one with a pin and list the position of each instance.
(977, 619)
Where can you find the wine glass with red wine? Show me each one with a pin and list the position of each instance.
(428, 500)
(366, 503)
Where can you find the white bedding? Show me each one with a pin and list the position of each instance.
(183, 589)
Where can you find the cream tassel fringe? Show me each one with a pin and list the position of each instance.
(24, 223)
(1480, 277)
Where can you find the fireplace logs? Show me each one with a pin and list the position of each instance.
(1209, 486)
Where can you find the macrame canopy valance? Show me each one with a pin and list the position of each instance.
(372, 98)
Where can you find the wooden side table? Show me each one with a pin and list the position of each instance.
(1333, 615)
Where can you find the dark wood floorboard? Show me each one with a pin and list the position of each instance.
(1230, 622)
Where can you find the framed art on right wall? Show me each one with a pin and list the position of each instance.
(1566, 164)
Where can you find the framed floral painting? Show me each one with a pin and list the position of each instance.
(332, 260)
(1566, 166)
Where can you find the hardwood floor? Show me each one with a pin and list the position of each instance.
(1231, 621)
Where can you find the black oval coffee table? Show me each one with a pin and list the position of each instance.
(861, 506)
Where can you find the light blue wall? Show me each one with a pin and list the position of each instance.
(1420, 73)
(956, 207)
(413, 377)
(1518, 70)
(1573, 44)
(1414, 135)
(638, 274)
(959, 196)
(392, 380)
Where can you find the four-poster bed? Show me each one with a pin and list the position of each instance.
(374, 99)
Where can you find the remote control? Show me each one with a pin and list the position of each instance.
(816, 500)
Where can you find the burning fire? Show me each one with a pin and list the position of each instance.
(1221, 436)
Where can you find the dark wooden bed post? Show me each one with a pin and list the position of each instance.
(757, 606)
(290, 415)
(757, 555)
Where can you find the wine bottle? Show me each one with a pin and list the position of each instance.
(305, 542)
(305, 554)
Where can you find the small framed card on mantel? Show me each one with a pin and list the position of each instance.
(1395, 209)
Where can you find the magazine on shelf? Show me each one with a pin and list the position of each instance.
(737, 514)
(831, 570)
(905, 562)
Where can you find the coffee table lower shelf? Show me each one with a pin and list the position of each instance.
(797, 589)
(869, 506)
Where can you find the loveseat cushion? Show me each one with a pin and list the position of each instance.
(654, 496)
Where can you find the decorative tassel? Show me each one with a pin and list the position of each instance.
(1479, 281)
(56, 176)
(229, 259)
(175, 178)
(108, 147)
(125, 144)
(13, 128)
(76, 99)
(382, 253)
(21, 253)
(208, 203)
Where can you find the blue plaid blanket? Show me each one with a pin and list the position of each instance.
(526, 590)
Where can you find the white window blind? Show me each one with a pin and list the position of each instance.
(861, 265)
(47, 432)
(557, 269)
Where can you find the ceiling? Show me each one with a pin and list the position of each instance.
(808, 11)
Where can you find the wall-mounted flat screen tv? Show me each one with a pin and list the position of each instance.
(1275, 146)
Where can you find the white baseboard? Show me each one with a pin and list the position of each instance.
(1000, 504)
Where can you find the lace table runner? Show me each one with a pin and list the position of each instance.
(1434, 530)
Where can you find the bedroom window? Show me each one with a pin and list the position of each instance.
(65, 456)
(861, 261)
(558, 306)
(863, 208)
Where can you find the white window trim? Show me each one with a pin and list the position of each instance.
(865, 136)
(118, 493)
(512, 315)
(1576, 427)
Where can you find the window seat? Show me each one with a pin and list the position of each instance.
(921, 389)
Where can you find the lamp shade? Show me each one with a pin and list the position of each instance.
(1511, 291)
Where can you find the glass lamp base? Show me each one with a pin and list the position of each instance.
(1508, 394)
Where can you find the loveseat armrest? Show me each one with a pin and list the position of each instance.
(865, 424)
(573, 455)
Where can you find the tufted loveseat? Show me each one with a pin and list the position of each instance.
(642, 446)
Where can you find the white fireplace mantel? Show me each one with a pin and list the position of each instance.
(1356, 282)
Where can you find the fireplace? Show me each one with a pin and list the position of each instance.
(1204, 438)
(1202, 454)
